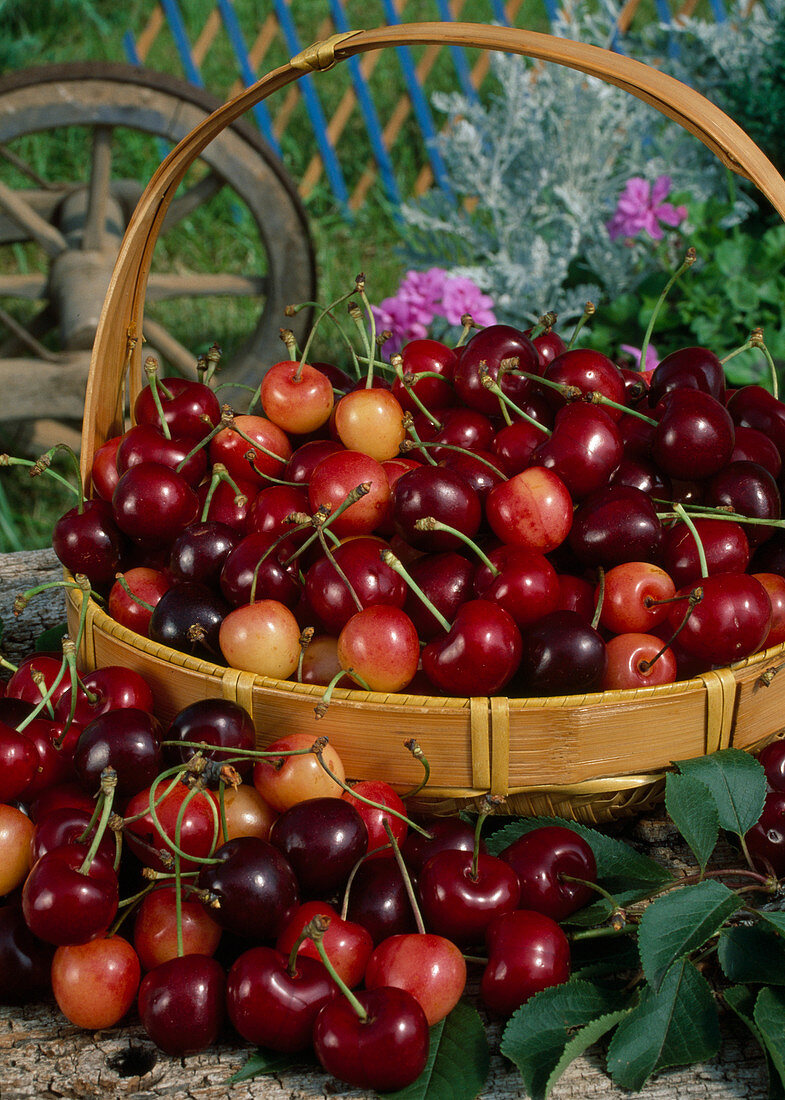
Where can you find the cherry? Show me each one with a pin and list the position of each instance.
(377, 818)
(438, 492)
(490, 347)
(584, 448)
(638, 660)
(54, 747)
(527, 952)
(147, 443)
(152, 842)
(87, 539)
(429, 967)
(155, 927)
(65, 826)
(64, 904)
(274, 1005)
(731, 620)
(755, 407)
(589, 371)
(306, 458)
(429, 357)
(541, 858)
(198, 552)
(322, 838)
(96, 983)
(261, 637)
(749, 490)
(766, 839)
(348, 944)
(533, 509)
(478, 655)
(132, 601)
(252, 886)
(25, 960)
(380, 645)
(229, 504)
(480, 469)
(112, 687)
(462, 427)
(269, 512)
(153, 503)
(526, 583)
(23, 686)
(246, 813)
(695, 433)
(687, 368)
(257, 566)
(189, 617)
(633, 597)
(296, 396)
(378, 899)
(104, 475)
(339, 474)
(752, 445)
(18, 763)
(221, 723)
(443, 833)
(561, 654)
(460, 895)
(190, 408)
(615, 525)
(269, 447)
(16, 835)
(725, 546)
(370, 420)
(127, 740)
(515, 444)
(181, 1004)
(296, 774)
(446, 579)
(775, 587)
(359, 563)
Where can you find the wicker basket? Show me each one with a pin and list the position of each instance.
(593, 757)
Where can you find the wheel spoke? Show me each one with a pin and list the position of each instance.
(163, 286)
(25, 338)
(37, 327)
(98, 191)
(169, 347)
(49, 238)
(30, 287)
(193, 198)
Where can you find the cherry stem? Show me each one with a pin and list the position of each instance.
(544, 324)
(213, 358)
(467, 324)
(389, 558)
(414, 748)
(151, 370)
(600, 597)
(434, 445)
(256, 445)
(491, 384)
(9, 460)
(704, 511)
(69, 657)
(408, 381)
(331, 558)
(430, 523)
(219, 474)
(45, 697)
(315, 929)
(596, 887)
(154, 802)
(591, 397)
(407, 881)
(108, 788)
(227, 417)
(683, 515)
(305, 639)
(42, 464)
(371, 338)
(588, 311)
(408, 423)
(321, 707)
(693, 599)
(689, 260)
(318, 750)
(326, 311)
(121, 580)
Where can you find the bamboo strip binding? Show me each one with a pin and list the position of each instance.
(496, 745)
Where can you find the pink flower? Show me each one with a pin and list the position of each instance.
(641, 206)
(463, 296)
(652, 358)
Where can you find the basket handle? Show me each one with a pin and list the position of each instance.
(118, 342)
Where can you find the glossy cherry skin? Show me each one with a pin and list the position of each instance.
(227, 505)
(359, 563)
(65, 826)
(322, 838)
(376, 815)
(186, 606)
(514, 445)
(95, 983)
(429, 967)
(380, 645)
(181, 1004)
(752, 445)
(198, 825)
(25, 960)
(561, 654)
(336, 476)
(270, 448)
(729, 623)
(775, 587)
(438, 492)
(307, 457)
(348, 944)
(750, 490)
(756, 407)
(443, 833)
(272, 1007)
(378, 900)
(386, 1051)
(155, 927)
(255, 887)
(256, 566)
(270, 510)
(589, 371)
(89, 541)
(22, 685)
(638, 660)
(296, 396)
(446, 578)
(221, 723)
(772, 760)
(190, 408)
(128, 740)
(725, 546)
(113, 687)
(687, 368)
(615, 525)
(527, 952)
(632, 599)
(134, 610)
(541, 858)
(478, 655)
(459, 904)
(18, 763)
(104, 475)
(431, 357)
(526, 585)
(63, 905)
(766, 839)
(199, 552)
(153, 503)
(584, 449)
(147, 443)
(533, 509)
(695, 434)
(16, 836)
(490, 347)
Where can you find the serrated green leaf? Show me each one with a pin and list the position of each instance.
(680, 922)
(737, 782)
(694, 813)
(773, 917)
(741, 1001)
(769, 1017)
(673, 1026)
(580, 1043)
(538, 1033)
(458, 1060)
(265, 1062)
(752, 954)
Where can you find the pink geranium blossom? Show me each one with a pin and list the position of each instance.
(642, 207)
(652, 358)
(423, 296)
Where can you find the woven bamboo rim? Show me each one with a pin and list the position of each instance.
(117, 364)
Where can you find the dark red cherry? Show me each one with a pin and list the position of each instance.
(128, 740)
(25, 960)
(440, 493)
(322, 838)
(541, 858)
(478, 655)
(615, 525)
(772, 760)
(199, 552)
(589, 371)
(525, 583)
(153, 503)
(88, 540)
(584, 449)
(688, 368)
(459, 900)
(724, 543)
(730, 622)
(221, 725)
(491, 347)
(256, 565)
(755, 407)
(527, 952)
(446, 579)
(147, 443)
(62, 904)
(190, 408)
(694, 435)
(750, 490)
(766, 839)
(181, 1004)
(378, 900)
(753, 446)
(254, 886)
(443, 833)
(188, 617)
(562, 654)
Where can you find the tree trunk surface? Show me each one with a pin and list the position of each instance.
(44, 1056)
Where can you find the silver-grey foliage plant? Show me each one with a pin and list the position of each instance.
(547, 156)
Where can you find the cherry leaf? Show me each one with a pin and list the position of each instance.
(769, 1017)
(680, 922)
(538, 1033)
(741, 1001)
(458, 1060)
(773, 917)
(265, 1062)
(737, 782)
(581, 1042)
(673, 1026)
(753, 954)
(694, 813)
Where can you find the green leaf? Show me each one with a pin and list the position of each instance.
(741, 1001)
(265, 1062)
(694, 813)
(581, 1042)
(769, 1017)
(752, 954)
(538, 1033)
(731, 255)
(458, 1060)
(737, 782)
(773, 917)
(51, 639)
(672, 1026)
(603, 956)
(681, 922)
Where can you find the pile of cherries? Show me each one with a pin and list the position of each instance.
(509, 514)
(216, 891)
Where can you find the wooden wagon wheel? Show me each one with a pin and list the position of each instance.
(64, 206)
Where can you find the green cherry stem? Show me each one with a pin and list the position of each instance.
(219, 474)
(684, 516)
(151, 370)
(397, 566)
(430, 523)
(588, 311)
(225, 421)
(408, 381)
(600, 598)
(316, 929)
(689, 260)
(324, 702)
(414, 748)
(491, 384)
(415, 441)
(108, 788)
(407, 881)
(9, 460)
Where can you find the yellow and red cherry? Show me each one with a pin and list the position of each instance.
(16, 836)
(533, 509)
(155, 927)
(262, 637)
(291, 773)
(370, 420)
(381, 646)
(633, 597)
(95, 984)
(430, 967)
(296, 396)
(335, 477)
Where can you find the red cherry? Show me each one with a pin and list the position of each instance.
(458, 901)
(181, 1004)
(296, 396)
(348, 944)
(478, 655)
(62, 904)
(429, 967)
(533, 509)
(527, 952)
(95, 984)
(541, 858)
(376, 790)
